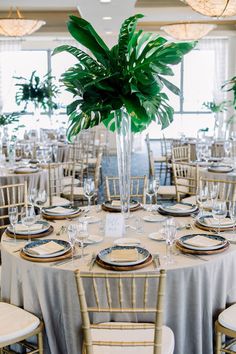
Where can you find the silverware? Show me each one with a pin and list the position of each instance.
(66, 260)
(156, 260)
(18, 250)
(92, 261)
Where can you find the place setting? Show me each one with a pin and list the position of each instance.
(178, 209)
(61, 212)
(114, 206)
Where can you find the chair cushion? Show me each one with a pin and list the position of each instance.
(167, 190)
(58, 201)
(191, 200)
(227, 318)
(182, 185)
(66, 181)
(15, 322)
(159, 158)
(129, 335)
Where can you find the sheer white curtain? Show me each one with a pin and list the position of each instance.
(7, 46)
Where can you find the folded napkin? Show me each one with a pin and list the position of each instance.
(125, 255)
(180, 207)
(116, 203)
(223, 222)
(60, 210)
(47, 248)
(23, 228)
(202, 241)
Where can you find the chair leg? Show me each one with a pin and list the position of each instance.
(218, 343)
(40, 342)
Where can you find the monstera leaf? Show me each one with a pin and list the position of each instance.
(130, 76)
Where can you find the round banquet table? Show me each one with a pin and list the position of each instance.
(229, 176)
(34, 180)
(196, 289)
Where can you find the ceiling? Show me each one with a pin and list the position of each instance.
(156, 12)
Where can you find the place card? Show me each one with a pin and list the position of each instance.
(115, 225)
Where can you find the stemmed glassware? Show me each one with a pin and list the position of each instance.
(201, 197)
(82, 236)
(213, 192)
(89, 190)
(227, 148)
(41, 199)
(219, 211)
(72, 231)
(13, 218)
(232, 214)
(156, 187)
(169, 234)
(33, 194)
(28, 218)
(151, 190)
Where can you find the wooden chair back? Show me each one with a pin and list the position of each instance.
(226, 188)
(110, 296)
(185, 179)
(138, 188)
(181, 153)
(11, 195)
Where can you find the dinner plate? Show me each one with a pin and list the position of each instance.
(133, 204)
(26, 170)
(90, 219)
(31, 245)
(142, 252)
(154, 218)
(183, 242)
(169, 209)
(93, 239)
(220, 169)
(201, 221)
(156, 236)
(45, 227)
(68, 210)
(127, 241)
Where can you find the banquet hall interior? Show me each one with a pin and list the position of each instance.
(118, 176)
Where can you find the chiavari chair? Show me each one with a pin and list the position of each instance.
(16, 327)
(225, 326)
(185, 179)
(226, 188)
(138, 186)
(107, 294)
(181, 153)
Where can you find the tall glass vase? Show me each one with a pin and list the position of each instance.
(123, 142)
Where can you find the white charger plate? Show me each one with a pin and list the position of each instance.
(154, 218)
(156, 236)
(93, 239)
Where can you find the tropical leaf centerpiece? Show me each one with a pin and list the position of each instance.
(9, 118)
(131, 75)
(40, 92)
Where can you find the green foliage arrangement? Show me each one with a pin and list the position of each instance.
(215, 108)
(130, 75)
(39, 92)
(9, 118)
(231, 86)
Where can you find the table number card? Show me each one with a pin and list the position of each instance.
(115, 225)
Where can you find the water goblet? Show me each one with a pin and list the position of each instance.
(28, 218)
(72, 231)
(201, 198)
(89, 190)
(33, 195)
(170, 231)
(82, 235)
(151, 191)
(219, 211)
(41, 199)
(13, 218)
(232, 214)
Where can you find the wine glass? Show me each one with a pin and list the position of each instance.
(232, 214)
(33, 195)
(169, 233)
(227, 148)
(156, 187)
(201, 197)
(89, 190)
(13, 218)
(82, 235)
(28, 218)
(219, 211)
(41, 199)
(72, 232)
(151, 191)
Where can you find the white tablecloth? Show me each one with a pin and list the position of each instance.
(196, 291)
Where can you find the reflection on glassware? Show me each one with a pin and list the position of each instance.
(151, 190)
(169, 234)
(232, 214)
(72, 231)
(83, 236)
(139, 225)
(219, 211)
(41, 199)
(13, 218)
(28, 218)
(89, 190)
(201, 197)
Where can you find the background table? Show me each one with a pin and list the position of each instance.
(196, 291)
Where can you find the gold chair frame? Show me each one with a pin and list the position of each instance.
(185, 179)
(134, 308)
(221, 346)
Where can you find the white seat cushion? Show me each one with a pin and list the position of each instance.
(66, 181)
(78, 191)
(129, 335)
(15, 322)
(191, 200)
(159, 158)
(167, 190)
(227, 318)
(58, 201)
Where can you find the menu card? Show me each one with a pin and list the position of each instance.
(115, 225)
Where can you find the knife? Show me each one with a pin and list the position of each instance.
(66, 260)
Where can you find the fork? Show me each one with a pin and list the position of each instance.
(156, 260)
(92, 261)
